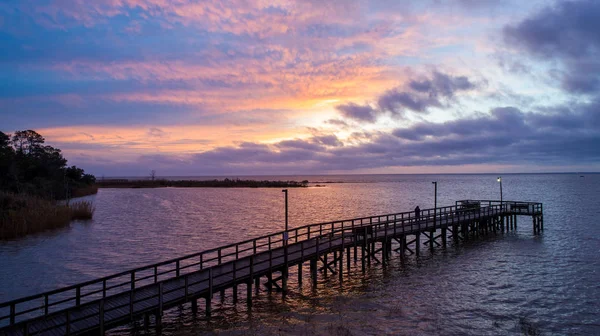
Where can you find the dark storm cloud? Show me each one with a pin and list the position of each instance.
(418, 96)
(568, 32)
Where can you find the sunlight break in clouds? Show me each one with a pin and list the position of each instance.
(248, 87)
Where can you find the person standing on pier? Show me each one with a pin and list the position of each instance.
(417, 213)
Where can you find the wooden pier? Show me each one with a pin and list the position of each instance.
(95, 306)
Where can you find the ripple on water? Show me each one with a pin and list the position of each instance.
(492, 286)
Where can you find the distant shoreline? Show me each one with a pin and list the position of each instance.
(225, 183)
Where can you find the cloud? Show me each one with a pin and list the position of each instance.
(155, 132)
(357, 112)
(566, 32)
(560, 136)
(417, 97)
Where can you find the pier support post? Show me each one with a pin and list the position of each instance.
(341, 270)
(249, 293)
(210, 293)
(235, 293)
(348, 259)
(402, 247)
(160, 307)
(300, 276)
(362, 258)
(269, 282)
(256, 285)
(455, 234)
(418, 243)
(444, 237)
(313, 272)
(194, 306)
(431, 239)
(146, 324)
(284, 278)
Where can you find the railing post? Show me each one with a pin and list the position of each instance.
(219, 256)
(155, 274)
(160, 300)
(78, 296)
(186, 286)
(210, 292)
(103, 288)
(46, 304)
(254, 246)
(131, 298)
(12, 314)
(201, 260)
(132, 280)
(249, 283)
(177, 268)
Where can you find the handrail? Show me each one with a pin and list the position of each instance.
(205, 260)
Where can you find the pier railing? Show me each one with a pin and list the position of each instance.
(48, 303)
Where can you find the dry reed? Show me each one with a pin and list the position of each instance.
(82, 210)
(21, 215)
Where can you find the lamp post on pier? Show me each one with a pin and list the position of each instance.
(285, 191)
(500, 180)
(285, 245)
(434, 202)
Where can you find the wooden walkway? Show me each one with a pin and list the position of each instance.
(98, 305)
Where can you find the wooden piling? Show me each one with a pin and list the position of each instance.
(444, 237)
(417, 243)
(431, 239)
(313, 272)
(210, 293)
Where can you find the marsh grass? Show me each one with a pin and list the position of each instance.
(21, 215)
(82, 210)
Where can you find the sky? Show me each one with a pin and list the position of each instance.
(239, 87)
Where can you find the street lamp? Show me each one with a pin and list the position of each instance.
(500, 180)
(435, 194)
(285, 234)
(285, 246)
(434, 202)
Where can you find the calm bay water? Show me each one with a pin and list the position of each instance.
(494, 286)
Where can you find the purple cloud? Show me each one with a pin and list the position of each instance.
(357, 112)
(507, 135)
(568, 33)
(417, 97)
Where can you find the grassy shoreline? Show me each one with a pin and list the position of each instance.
(226, 183)
(21, 214)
